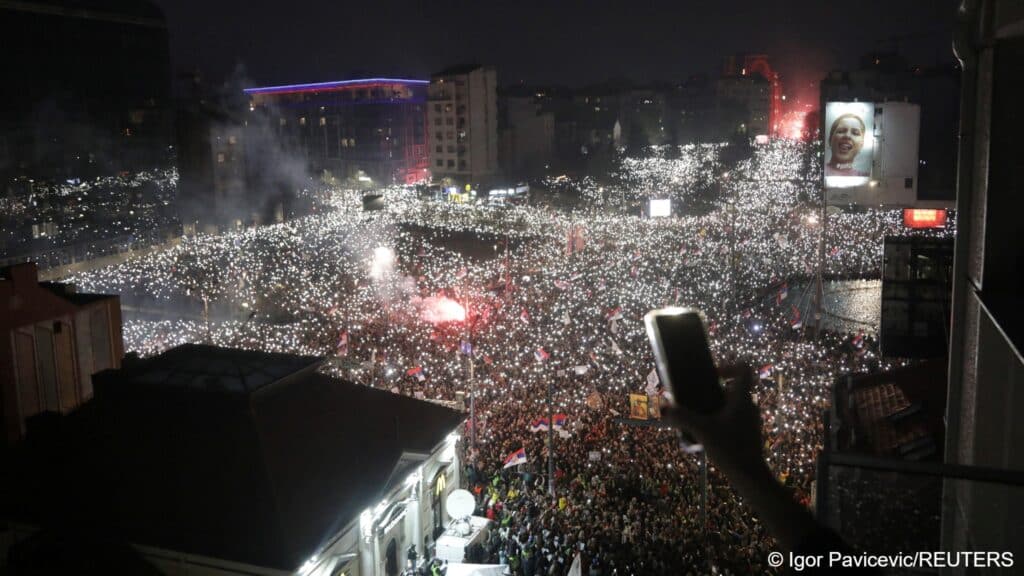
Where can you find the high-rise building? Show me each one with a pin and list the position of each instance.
(462, 124)
(749, 83)
(52, 340)
(371, 128)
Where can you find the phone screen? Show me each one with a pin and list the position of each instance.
(684, 359)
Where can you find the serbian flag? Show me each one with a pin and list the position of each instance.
(797, 322)
(783, 293)
(343, 344)
(416, 371)
(541, 355)
(539, 425)
(559, 420)
(614, 314)
(858, 340)
(524, 316)
(765, 372)
(516, 458)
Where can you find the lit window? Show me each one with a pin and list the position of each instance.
(220, 157)
(302, 121)
(323, 121)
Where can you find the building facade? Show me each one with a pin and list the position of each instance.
(462, 119)
(368, 130)
(52, 340)
(93, 89)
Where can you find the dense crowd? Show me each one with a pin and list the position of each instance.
(402, 299)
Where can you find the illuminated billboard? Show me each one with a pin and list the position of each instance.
(875, 165)
(923, 218)
(849, 143)
(660, 208)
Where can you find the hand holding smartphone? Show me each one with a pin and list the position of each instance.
(683, 359)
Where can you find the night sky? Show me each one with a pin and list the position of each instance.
(565, 42)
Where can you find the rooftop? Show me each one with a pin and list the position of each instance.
(264, 474)
(333, 85)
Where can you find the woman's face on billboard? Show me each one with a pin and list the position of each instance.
(847, 139)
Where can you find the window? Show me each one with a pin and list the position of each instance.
(439, 149)
(437, 120)
(220, 157)
(344, 142)
(451, 149)
(283, 121)
(439, 136)
(462, 164)
(437, 107)
(449, 121)
(302, 121)
(232, 140)
(447, 107)
(450, 135)
(323, 121)
(451, 163)
(440, 163)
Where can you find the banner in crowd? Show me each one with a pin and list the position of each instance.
(638, 406)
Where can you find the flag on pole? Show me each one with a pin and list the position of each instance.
(858, 340)
(525, 317)
(540, 354)
(516, 458)
(417, 372)
(765, 372)
(343, 344)
(652, 383)
(797, 322)
(559, 420)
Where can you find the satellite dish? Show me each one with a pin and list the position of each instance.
(460, 503)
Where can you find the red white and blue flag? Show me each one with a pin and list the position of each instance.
(858, 340)
(417, 372)
(516, 458)
(539, 425)
(765, 372)
(541, 355)
(343, 344)
(783, 293)
(559, 421)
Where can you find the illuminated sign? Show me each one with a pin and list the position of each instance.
(660, 208)
(920, 218)
(849, 141)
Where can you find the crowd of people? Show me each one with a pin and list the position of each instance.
(546, 307)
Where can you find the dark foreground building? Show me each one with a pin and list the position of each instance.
(219, 461)
(52, 340)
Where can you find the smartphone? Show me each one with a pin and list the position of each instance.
(683, 358)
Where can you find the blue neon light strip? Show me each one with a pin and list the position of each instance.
(330, 85)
